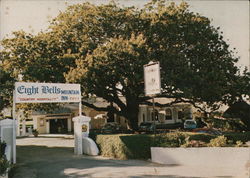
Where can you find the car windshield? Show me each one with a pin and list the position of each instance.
(190, 122)
(145, 124)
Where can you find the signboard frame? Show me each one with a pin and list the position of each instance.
(28, 91)
(152, 83)
(47, 92)
(152, 78)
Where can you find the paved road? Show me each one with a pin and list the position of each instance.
(54, 158)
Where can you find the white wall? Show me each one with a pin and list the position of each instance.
(235, 158)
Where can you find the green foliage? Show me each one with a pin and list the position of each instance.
(193, 143)
(2, 148)
(238, 136)
(104, 48)
(220, 141)
(6, 88)
(182, 139)
(223, 124)
(4, 163)
(130, 146)
(171, 139)
(125, 146)
(201, 137)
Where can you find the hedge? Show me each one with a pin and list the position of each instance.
(135, 146)
(238, 136)
(132, 146)
(125, 146)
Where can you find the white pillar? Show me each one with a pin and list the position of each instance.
(8, 135)
(23, 127)
(47, 126)
(69, 125)
(79, 121)
(35, 123)
(18, 132)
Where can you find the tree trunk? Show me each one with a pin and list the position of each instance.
(132, 114)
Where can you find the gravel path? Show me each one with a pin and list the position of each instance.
(54, 158)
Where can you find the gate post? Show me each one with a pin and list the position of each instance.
(81, 129)
(8, 136)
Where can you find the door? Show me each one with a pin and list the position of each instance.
(58, 126)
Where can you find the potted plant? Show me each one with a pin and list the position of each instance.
(35, 132)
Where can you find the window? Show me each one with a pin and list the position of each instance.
(156, 115)
(143, 117)
(180, 115)
(168, 114)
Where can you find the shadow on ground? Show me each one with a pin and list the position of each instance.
(57, 162)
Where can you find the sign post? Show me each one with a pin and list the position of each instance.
(14, 128)
(43, 93)
(152, 82)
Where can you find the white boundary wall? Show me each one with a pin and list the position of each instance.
(230, 157)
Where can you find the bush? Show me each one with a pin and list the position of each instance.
(178, 139)
(220, 141)
(201, 137)
(238, 136)
(125, 146)
(239, 144)
(4, 165)
(175, 139)
(2, 148)
(228, 124)
(131, 146)
(193, 143)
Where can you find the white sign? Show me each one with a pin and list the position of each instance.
(152, 78)
(46, 92)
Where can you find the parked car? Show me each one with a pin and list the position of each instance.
(111, 127)
(146, 127)
(190, 124)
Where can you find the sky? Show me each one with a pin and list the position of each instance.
(231, 16)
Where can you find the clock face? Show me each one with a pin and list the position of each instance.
(84, 128)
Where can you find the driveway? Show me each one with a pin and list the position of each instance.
(54, 158)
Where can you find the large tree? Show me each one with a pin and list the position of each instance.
(6, 88)
(105, 47)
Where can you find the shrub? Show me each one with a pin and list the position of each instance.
(131, 146)
(175, 139)
(201, 137)
(238, 136)
(125, 146)
(220, 141)
(239, 144)
(193, 143)
(4, 165)
(228, 124)
(178, 139)
(2, 148)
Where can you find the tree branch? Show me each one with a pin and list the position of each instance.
(106, 109)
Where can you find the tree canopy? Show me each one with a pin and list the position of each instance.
(105, 47)
(6, 87)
